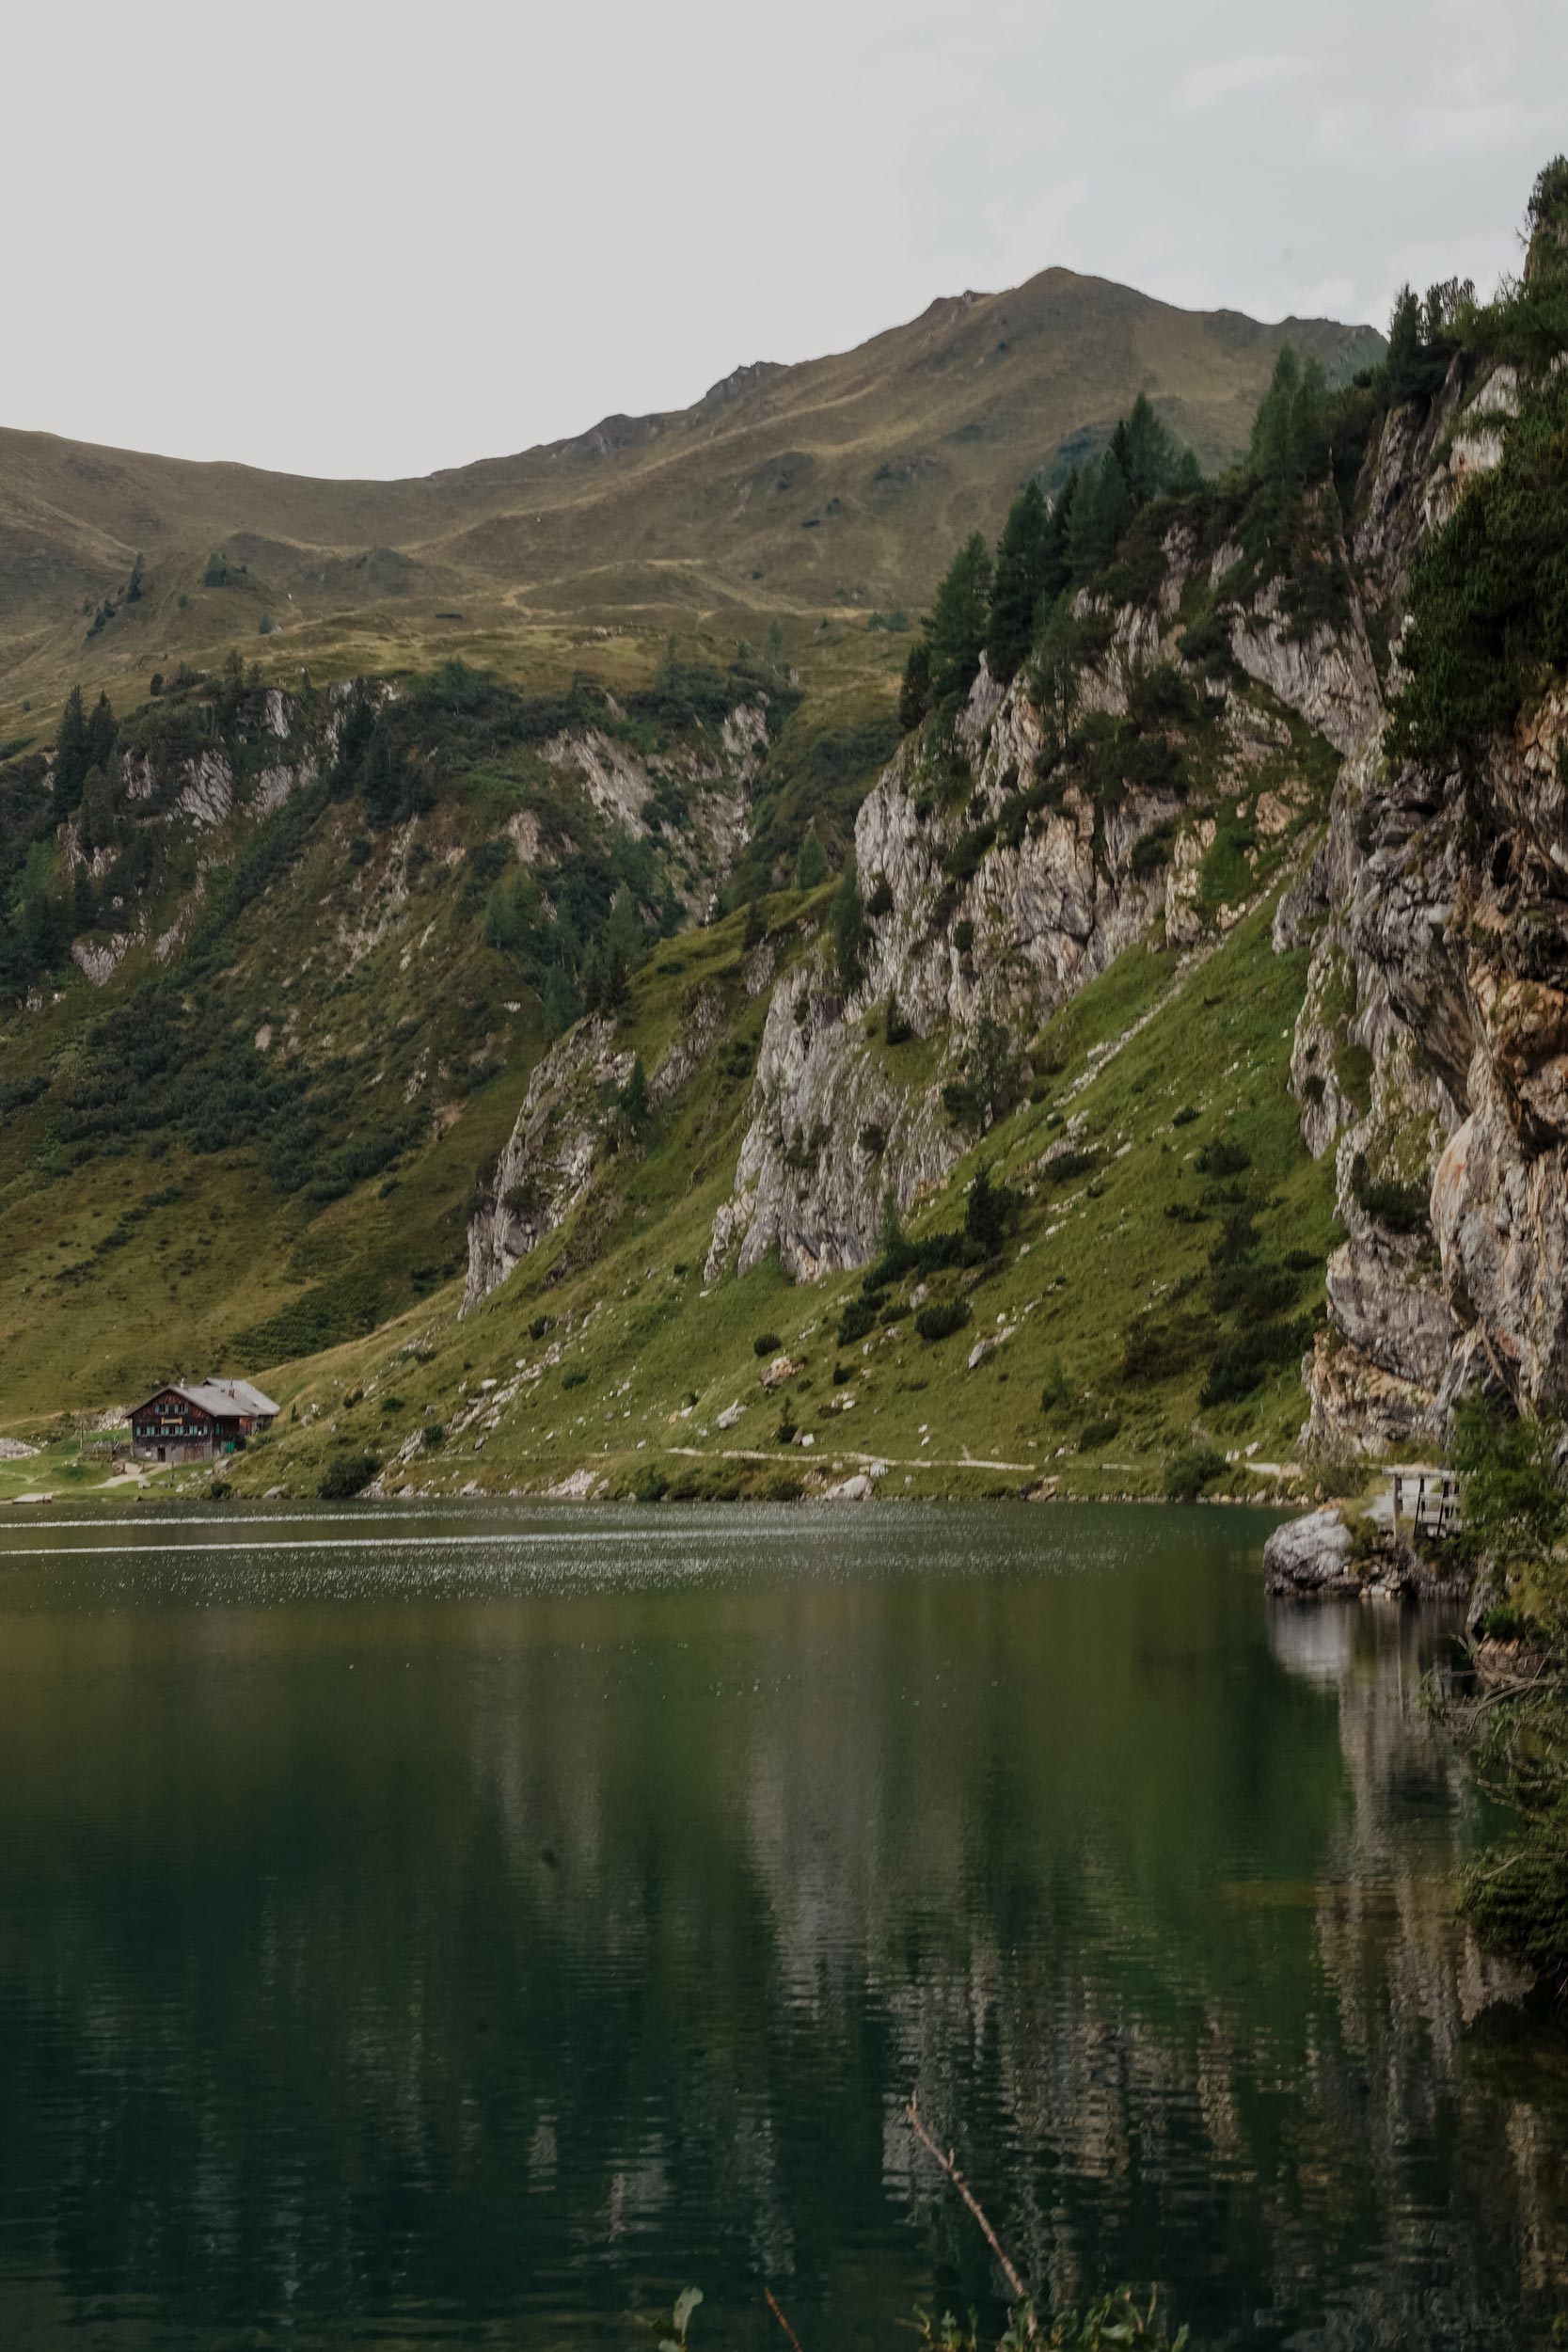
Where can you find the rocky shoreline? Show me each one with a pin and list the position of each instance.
(1323, 1556)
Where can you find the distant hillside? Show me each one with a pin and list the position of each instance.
(840, 486)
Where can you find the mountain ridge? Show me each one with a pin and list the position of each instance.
(835, 483)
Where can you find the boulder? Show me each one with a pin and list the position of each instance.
(1311, 1555)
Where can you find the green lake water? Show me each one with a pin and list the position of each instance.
(469, 1927)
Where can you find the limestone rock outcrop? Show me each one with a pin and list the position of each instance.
(1432, 1050)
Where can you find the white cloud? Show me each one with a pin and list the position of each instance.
(1206, 84)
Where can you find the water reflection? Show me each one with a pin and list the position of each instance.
(459, 1952)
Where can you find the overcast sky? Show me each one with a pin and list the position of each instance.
(356, 240)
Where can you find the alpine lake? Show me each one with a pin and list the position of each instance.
(471, 1926)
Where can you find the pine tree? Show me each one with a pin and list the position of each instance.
(958, 619)
(593, 983)
(1023, 566)
(914, 693)
(559, 1000)
(1309, 424)
(1053, 658)
(102, 736)
(624, 932)
(1099, 512)
(634, 1098)
(847, 925)
(1273, 441)
(1149, 459)
(70, 755)
(1404, 362)
(1187, 480)
(98, 810)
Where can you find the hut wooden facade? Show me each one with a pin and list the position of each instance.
(193, 1421)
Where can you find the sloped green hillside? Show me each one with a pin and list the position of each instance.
(1122, 1294)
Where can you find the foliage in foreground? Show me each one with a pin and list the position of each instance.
(1118, 2318)
(1516, 1521)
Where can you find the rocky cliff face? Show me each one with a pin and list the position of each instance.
(1431, 1052)
(957, 934)
(992, 897)
(556, 1149)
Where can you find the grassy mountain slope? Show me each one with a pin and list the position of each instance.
(612, 1356)
(831, 487)
(330, 934)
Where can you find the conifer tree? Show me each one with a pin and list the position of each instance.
(71, 754)
(1099, 512)
(1404, 346)
(1187, 479)
(958, 619)
(98, 810)
(634, 1098)
(846, 926)
(1023, 567)
(103, 732)
(1149, 456)
(914, 693)
(1274, 444)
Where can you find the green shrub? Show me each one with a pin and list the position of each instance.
(1523, 1909)
(1402, 1208)
(1185, 1115)
(1223, 1158)
(1189, 1473)
(1245, 1361)
(1157, 1348)
(1095, 1433)
(432, 1432)
(766, 1343)
(942, 1317)
(858, 1318)
(1152, 850)
(1070, 1165)
(1503, 1622)
(574, 1376)
(651, 1485)
(345, 1475)
(1488, 597)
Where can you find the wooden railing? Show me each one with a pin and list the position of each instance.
(1431, 1500)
